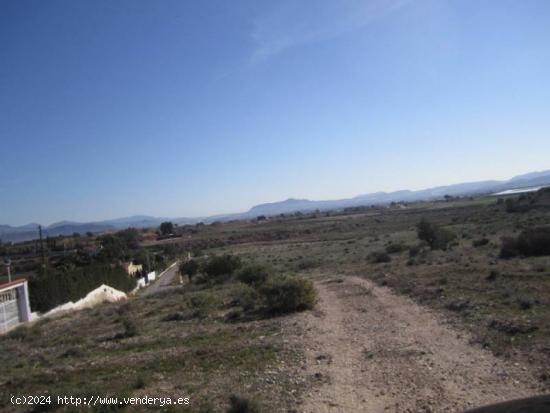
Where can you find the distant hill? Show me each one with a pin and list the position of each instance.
(530, 176)
(30, 231)
(381, 198)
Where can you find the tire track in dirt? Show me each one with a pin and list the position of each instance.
(370, 350)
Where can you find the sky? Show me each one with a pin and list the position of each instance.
(193, 108)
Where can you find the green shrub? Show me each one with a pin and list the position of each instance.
(515, 205)
(189, 268)
(438, 238)
(530, 242)
(253, 274)
(480, 242)
(534, 241)
(395, 248)
(224, 265)
(378, 257)
(306, 264)
(509, 248)
(245, 296)
(55, 287)
(492, 275)
(177, 316)
(139, 383)
(242, 405)
(414, 250)
(202, 303)
(288, 294)
(130, 329)
(25, 332)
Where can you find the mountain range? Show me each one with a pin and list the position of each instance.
(532, 179)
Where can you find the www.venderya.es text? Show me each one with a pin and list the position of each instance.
(98, 400)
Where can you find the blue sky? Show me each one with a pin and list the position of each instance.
(191, 108)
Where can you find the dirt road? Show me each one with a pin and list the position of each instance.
(370, 350)
(163, 282)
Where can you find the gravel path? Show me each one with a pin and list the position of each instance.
(370, 350)
(164, 281)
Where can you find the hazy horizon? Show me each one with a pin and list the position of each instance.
(179, 109)
(137, 213)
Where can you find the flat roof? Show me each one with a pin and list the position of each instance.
(14, 283)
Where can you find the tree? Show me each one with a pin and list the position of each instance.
(130, 237)
(220, 266)
(112, 248)
(49, 289)
(434, 235)
(140, 257)
(425, 231)
(189, 268)
(166, 228)
(287, 294)
(253, 274)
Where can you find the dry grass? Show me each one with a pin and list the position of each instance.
(184, 344)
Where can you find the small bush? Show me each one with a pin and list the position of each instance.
(516, 206)
(534, 241)
(189, 268)
(177, 316)
(288, 294)
(395, 248)
(245, 297)
(306, 264)
(253, 274)
(530, 242)
(525, 303)
(130, 329)
(233, 315)
(539, 268)
(458, 305)
(509, 248)
(220, 266)
(380, 257)
(201, 279)
(139, 383)
(24, 332)
(202, 304)
(72, 352)
(414, 250)
(438, 238)
(242, 405)
(480, 242)
(512, 328)
(492, 275)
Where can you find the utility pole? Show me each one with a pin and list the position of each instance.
(42, 247)
(7, 262)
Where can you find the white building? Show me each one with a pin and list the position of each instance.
(14, 304)
(131, 268)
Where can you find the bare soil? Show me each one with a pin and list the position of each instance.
(370, 350)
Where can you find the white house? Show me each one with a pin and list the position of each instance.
(14, 304)
(131, 268)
